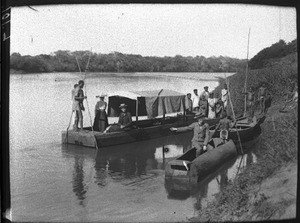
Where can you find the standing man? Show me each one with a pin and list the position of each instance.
(212, 105)
(204, 100)
(262, 94)
(250, 101)
(73, 91)
(201, 134)
(188, 104)
(224, 96)
(78, 105)
(195, 100)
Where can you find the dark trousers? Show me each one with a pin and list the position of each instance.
(198, 146)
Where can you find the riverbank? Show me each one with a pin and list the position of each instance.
(267, 189)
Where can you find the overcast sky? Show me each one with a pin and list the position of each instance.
(151, 30)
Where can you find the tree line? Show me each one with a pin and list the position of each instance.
(268, 56)
(67, 61)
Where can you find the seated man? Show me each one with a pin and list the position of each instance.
(224, 125)
(219, 109)
(125, 121)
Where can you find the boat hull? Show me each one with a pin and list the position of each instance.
(201, 166)
(245, 131)
(89, 138)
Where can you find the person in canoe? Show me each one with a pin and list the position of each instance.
(124, 122)
(73, 91)
(101, 121)
(78, 105)
(212, 106)
(125, 118)
(201, 133)
(219, 109)
(189, 104)
(204, 100)
(225, 124)
(195, 101)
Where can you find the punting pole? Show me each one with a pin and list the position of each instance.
(245, 86)
(234, 115)
(87, 103)
(137, 111)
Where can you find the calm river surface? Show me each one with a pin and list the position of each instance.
(55, 182)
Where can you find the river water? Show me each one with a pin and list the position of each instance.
(124, 183)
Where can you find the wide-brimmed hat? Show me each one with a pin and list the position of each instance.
(123, 105)
(199, 115)
(102, 95)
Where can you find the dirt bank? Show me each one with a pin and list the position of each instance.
(267, 189)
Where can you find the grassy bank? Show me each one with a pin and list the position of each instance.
(278, 78)
(241, 198)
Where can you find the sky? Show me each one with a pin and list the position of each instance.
(152, 29)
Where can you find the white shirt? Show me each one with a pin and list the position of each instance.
(196, 99)
(224, 93)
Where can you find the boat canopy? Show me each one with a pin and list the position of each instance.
(150, 103)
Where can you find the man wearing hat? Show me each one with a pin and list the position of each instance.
(201, 133)
(204, 100)
(188, 104)
(195, 100)
(101, 121)
(125, 119)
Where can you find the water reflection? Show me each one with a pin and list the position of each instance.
(180, 188)
(120, 163)
(135, 163)
(78, 180)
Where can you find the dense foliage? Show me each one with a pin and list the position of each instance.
(65, 61)
(267, 56)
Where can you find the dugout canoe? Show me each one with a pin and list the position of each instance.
(197, 168)
(145, 130)
(247, 129)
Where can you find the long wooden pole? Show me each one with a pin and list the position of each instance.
(245, 86)
(137, 111)
(227, 82)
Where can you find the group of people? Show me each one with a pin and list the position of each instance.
(207, 103)
(101, 120)
(263, 97)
